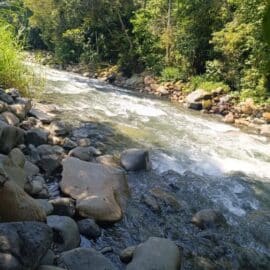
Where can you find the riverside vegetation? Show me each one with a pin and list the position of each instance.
(70, 202)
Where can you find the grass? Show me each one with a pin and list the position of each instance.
(13, 73)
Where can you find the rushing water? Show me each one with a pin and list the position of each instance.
(210, 164)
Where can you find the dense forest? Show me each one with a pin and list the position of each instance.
(197, 41)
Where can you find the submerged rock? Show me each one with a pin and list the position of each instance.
(89, 228)
(135, 160)
(208, 218)
(126, 255)
(23, 244)
(84, 259)
(99, 190)
(156, 253)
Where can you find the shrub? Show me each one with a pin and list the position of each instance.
(12, 71)
(170, 74)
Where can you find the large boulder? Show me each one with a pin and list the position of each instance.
(156, 253)
(66, 232)
(23, 244)
(135, 160)
(99, 190)
(84, 259)
(10, 137)
(194, 99)
(17, 205)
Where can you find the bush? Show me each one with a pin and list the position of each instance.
(202, 82)
(170, 74)
(12, 71)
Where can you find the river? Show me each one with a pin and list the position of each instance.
(199, 160)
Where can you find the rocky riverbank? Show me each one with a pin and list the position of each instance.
(108, 212)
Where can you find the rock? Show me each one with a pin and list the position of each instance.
(148, 80)
(49, 267)
(58, 128)
(208, 218)
(229, 118)
(10, 137)
(63, 207)
(156, 253)
(30, 123)
(20, 110)
(13, 92)
(30, 169)
(195, 106)
(207, 104)
(10, 118)
(84, 142)
(48, 258)
(36, 137)
(15, 168)
(44, 117)
(66, 232)
(89, 228)
(5, 97)
(266, 116)
(84, 153)
(47, 206)
(17, 157)
(99, 190)
(265, 130)
(162, 90)
(23, 244)
(84, 259)
(151, 202)
(127, 254)
(69, 144)
(197, 95)
(16, 205)
(108, 160)
(135, 160)
(37, 187)
(248, 106)
(3, 106)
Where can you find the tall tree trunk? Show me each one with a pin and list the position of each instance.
(169, 26)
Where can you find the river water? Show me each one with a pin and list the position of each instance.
(195, 158)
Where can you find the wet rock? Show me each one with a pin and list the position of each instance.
(47, 206)
(99, 190)
(3, 106)
(23, 244)
(208, 218)
(135, 160)
(89, 228)
(84, 259)
(66, 232)
(17, 205)
(10, 118)
(10, 137)
(151, 202)
(63, 207)
(127, 254)
(36, 137)
(109, 160)
(156, 253)
(5, 97)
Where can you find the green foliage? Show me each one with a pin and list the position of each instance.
(170, 74)
(12, 72)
